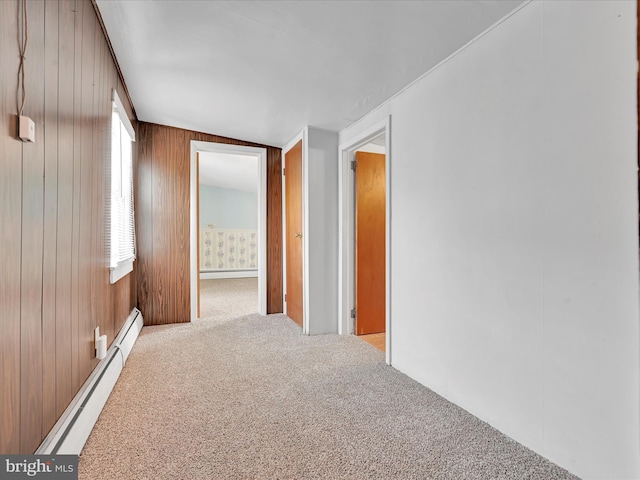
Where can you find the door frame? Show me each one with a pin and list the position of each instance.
(302, 135)
(194, 270)
(346, 229)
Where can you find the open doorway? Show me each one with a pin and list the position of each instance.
(293, 228)
(375, 142)
(369, 242)
(228, 235)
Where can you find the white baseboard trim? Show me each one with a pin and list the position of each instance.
(70, 433)
(231, 274)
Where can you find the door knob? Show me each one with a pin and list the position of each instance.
(299, 235)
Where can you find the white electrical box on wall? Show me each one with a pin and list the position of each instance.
(26, 129)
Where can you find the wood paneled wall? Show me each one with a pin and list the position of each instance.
(275, 291)
(162, 210)
(53, 195)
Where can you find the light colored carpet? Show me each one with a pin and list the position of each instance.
(228, 298)
(253, 398)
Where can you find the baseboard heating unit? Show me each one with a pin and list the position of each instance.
(71, 431)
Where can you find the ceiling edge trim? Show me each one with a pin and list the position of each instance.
(113, 56)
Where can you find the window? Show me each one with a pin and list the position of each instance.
(122, 244)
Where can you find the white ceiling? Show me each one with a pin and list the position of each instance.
(262, 70)
(231, 171)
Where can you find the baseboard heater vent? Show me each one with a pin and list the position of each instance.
(70, 433)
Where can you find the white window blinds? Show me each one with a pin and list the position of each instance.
(122, 219)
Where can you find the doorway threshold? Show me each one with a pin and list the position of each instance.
(377, 340)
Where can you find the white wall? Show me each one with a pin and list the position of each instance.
(320, 179)
(514, 245)
(226, 208)
(320, 228)
(373, 148)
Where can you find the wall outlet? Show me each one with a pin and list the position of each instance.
(100, 344)
(26, 129)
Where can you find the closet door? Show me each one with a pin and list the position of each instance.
(370, 242)
(293, 212)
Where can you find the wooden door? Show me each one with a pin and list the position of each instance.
(370, 222)
(293, 206)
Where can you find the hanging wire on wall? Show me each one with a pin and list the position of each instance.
(24, 36)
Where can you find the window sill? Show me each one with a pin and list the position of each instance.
(120, 271)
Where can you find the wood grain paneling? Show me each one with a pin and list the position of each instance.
(50, 216)
(162, 208)
(64, 251)
(102, 182)
(78, 9)
(163, 261)
(180, 242)
(85, 352)
(55, 277)
(274, 230)
(10, 235)
(170, 258)
(32, 242)
(144, 219)
(101, 308)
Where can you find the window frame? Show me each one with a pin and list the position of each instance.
(119, 268)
